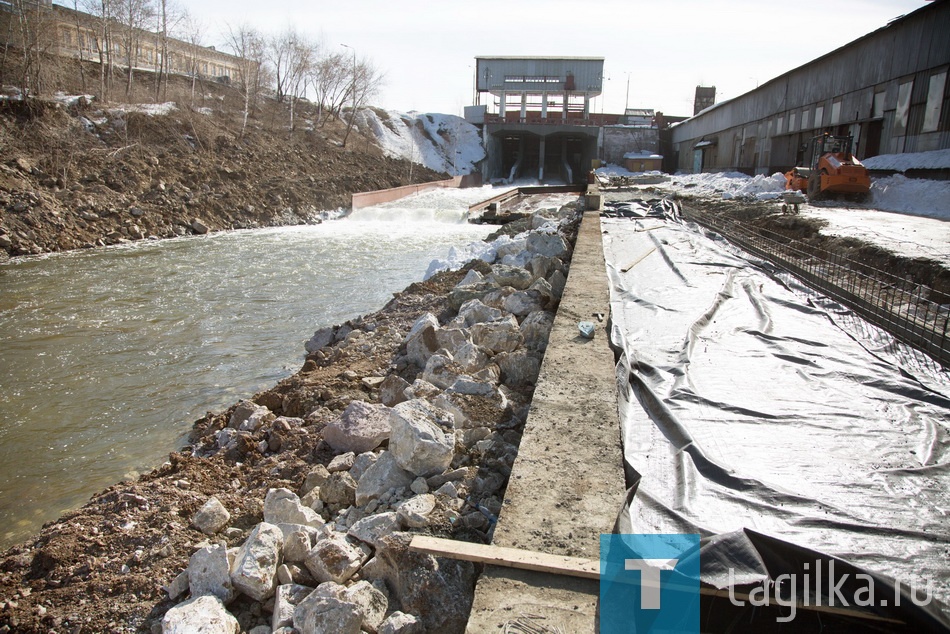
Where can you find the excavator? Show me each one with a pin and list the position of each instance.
(832, 171)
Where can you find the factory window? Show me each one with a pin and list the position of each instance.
(878, 105)
(935, 92)
(531, 79)
(835, 112)
(805, 123)
(903, 107)
(819, 116)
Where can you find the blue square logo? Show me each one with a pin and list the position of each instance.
(649, 583)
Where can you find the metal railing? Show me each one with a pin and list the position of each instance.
(900, 306)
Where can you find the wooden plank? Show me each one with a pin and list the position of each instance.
(637, 261)
(508, 557)
(584, 568)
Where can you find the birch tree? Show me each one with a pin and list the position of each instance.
(248, 44)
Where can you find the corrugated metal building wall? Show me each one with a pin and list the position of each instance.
(889, 89)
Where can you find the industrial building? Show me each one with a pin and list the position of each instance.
(65, 32)
(888, 90)
(538, 122)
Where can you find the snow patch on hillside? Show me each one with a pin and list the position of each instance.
(441, 142)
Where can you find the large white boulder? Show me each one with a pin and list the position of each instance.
(475, 312)
(415, 511)
(286, 599)
(441, 370)
(401, 623)
(205, 614)
(254, 571)
(209, 573)
(371, 602)
(319, 614)
(211, 517)
(374, 527)
(334, 559)
(421, 341)
(513, 276)
(282, 506)
(361, 427)
(249, 416)
(384, 475)
(500, 336)
(549, 244)
(536, 328)
(418, 443)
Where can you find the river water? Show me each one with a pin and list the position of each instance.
(108, 356)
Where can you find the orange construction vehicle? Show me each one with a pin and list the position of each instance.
(832, 171)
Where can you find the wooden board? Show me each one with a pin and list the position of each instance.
(577, 567)
(508, 557)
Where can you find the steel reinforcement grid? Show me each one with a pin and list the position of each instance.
(894, 304)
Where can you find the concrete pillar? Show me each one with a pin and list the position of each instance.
(564, 109)
(544, 105)
(501, 103)
(541, 161)
(586, 106)
(524, 105)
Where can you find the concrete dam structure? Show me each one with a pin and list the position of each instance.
(540, 124)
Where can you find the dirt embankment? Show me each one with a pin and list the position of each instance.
(92, 174)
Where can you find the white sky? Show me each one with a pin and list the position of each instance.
(426, 49)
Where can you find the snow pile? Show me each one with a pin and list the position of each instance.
(731, 185)
(912, 196)
(71, 100)
(460, 256)
(441, 142)
(938, 159)
(150, 109)
(611, 170)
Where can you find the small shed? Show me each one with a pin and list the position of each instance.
(642, 161)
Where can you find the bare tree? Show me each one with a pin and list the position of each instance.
(366, 82)
(280, 51)
(301, 61)
(330, 78)
(104, 11)
(168, 15)
(80, 44)
(134, 15)
(193, 34)
(31, 35)
(247, 43)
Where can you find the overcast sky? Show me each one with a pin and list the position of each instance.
(426, 49)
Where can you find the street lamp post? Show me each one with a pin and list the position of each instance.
(353, 111)
(626, 105)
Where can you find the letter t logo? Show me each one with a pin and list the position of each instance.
(650, 578)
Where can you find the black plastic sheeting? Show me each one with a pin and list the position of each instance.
(783, 429)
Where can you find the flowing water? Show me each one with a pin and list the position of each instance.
(108, 356)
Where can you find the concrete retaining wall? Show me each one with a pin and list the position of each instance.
(368, 199)
(567, 483)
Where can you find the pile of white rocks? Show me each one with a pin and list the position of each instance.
(433, 455)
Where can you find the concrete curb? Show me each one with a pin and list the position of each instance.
(567, 483)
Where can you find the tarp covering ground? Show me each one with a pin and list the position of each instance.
(775, 423)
